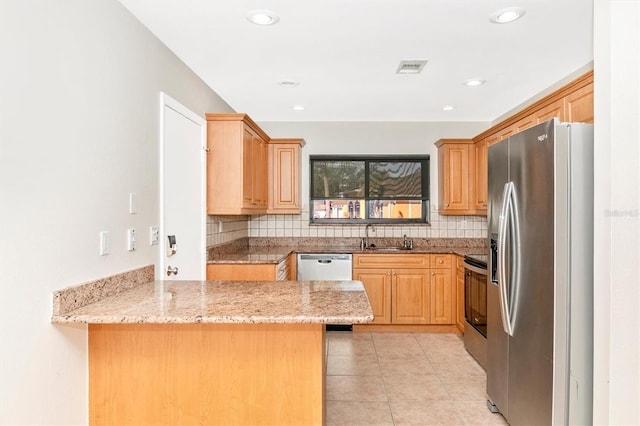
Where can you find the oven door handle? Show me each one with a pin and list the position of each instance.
(475, 269)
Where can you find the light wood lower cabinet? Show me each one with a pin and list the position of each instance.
(407, 289)
(377, 283)
(207, 374)
(285, 270)
(410, 296)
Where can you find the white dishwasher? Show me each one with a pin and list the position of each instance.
(326, 267)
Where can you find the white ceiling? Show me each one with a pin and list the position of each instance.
(345, 53)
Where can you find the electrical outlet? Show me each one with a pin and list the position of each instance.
(131, 239)
(154, 235)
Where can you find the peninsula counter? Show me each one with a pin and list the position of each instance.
(214, 352)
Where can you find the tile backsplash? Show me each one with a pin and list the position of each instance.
(223, 229)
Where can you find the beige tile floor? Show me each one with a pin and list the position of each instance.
(404, 379)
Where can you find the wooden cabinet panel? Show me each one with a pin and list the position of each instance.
(391, 260)
(481, 175)
(377, 283)
(285, 270)
(441, 290)
(236, 165)
(460, 293)
(455, 168)
(555, 109)
(284, 176)
(579, 105)
(400, 286)
(441, 261)
(410, 296)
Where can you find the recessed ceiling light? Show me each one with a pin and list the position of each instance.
(262, 17)
(297, 107)
(288, 83)
(474, 82)
(448, 108)
(504, 16)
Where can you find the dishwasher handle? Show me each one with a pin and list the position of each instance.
(324, 258)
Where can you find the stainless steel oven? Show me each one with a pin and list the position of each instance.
(475, 307)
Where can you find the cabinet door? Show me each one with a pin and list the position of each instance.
(242, 272)
(247, 168)
(579, 105)
(410, 296)
(260, 178)
(284, 178)
(459, 271)
(441, 297)
(377, 283)
(481, 170)
(556, 109)
(455, 178)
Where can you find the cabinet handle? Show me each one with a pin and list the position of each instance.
(433, 274)
(388, 274)
(447, 205)
(440, 261)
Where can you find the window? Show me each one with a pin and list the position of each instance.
(372, 189)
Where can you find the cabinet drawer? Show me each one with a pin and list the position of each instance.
(459, 262)
(391, 260)
(440, 261)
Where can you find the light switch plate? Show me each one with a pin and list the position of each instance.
(105, 244)
(154, 235)
(133, 203)
(131, 239)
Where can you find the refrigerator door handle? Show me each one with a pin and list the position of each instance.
(505, 211)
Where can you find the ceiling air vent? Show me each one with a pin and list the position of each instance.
(411, 66)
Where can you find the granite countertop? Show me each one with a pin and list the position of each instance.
(279, 253)
(158, 302)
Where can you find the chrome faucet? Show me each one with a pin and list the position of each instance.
(407, 243)
(365, 241)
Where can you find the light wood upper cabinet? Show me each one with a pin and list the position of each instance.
(463, 187)
(284, 176)
(481, 176)
(579, 105)
(236, 165)
(554, 109)
(455, 171)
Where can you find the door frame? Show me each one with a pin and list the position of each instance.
(169, 102)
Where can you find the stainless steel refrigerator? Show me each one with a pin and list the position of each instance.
(540, 295)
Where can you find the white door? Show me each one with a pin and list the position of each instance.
(182, 210)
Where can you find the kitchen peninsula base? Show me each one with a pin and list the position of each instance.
(269, 374)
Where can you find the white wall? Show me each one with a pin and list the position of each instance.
(617, 212)
(79, 128)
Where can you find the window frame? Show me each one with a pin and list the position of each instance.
(367, 159)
